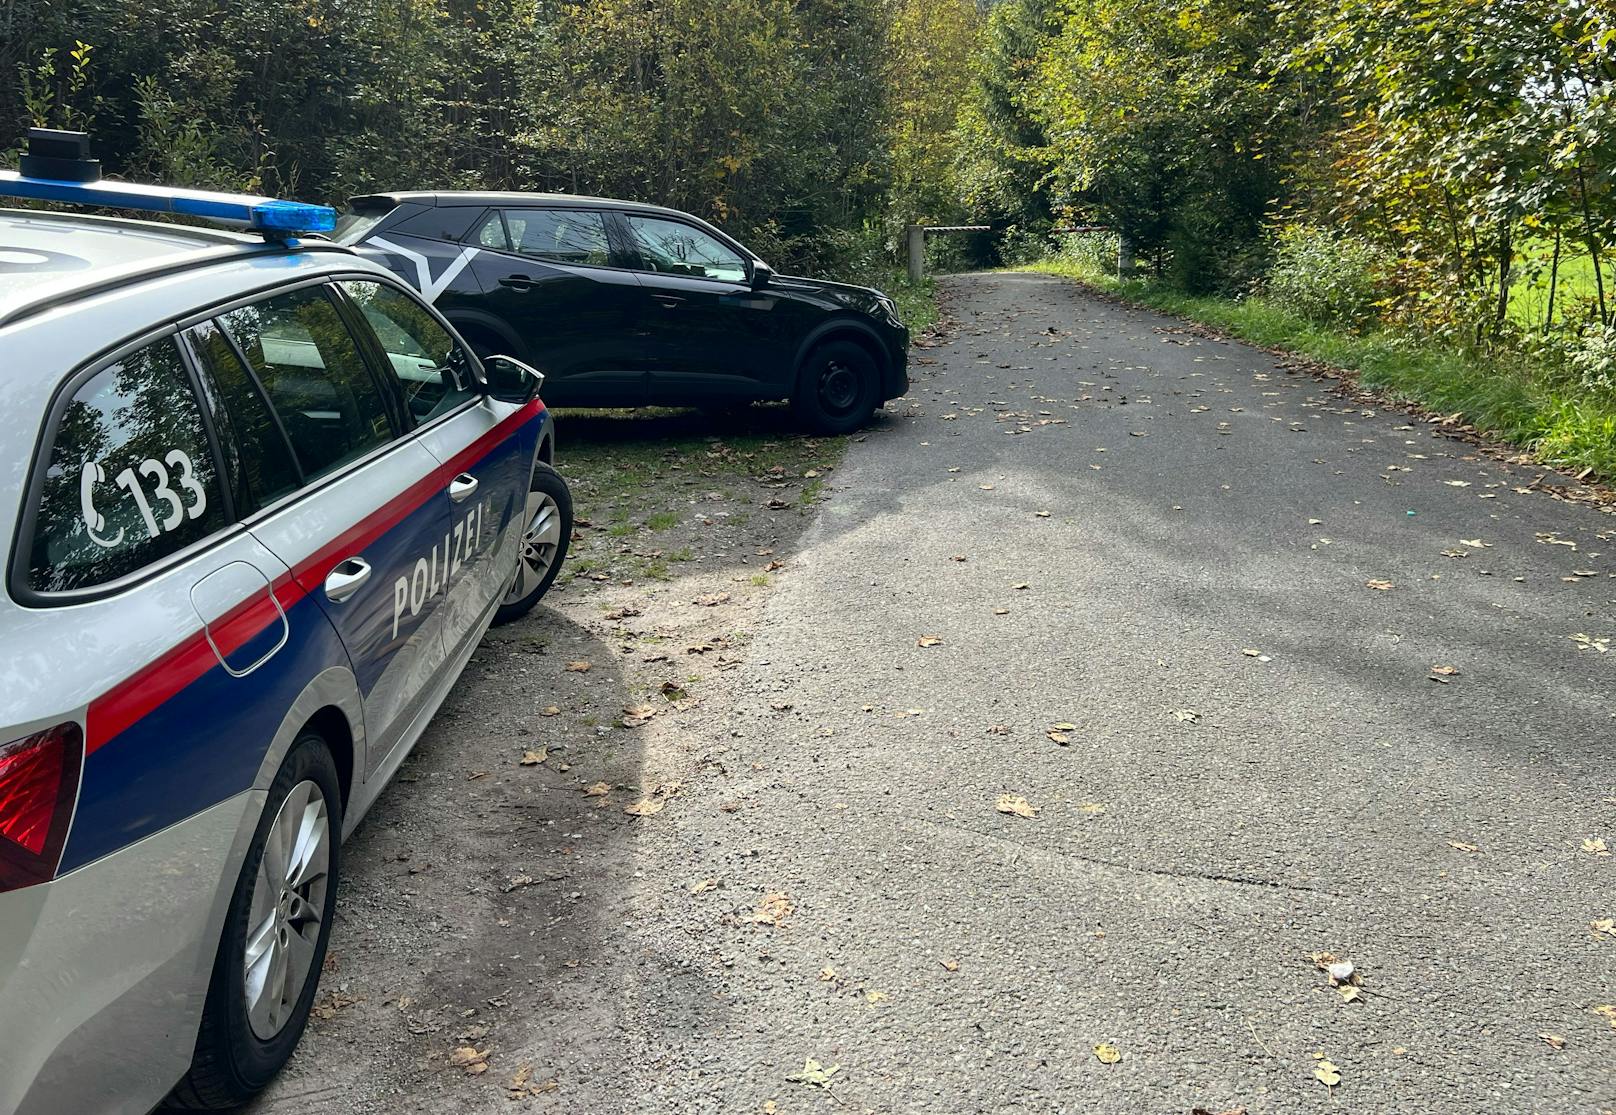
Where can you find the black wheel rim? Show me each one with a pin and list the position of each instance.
(838, 387)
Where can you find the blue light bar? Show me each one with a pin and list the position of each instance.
(258, 214)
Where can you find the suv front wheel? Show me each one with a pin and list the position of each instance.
(837, 388)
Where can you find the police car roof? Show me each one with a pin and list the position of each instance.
(47, 258)
(501, 199)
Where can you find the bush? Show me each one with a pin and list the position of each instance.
(1325, 277)
(1090, 253)
(1592, 358)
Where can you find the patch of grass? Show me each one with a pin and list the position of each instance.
(683, 553)
(662, 520)
(621, 529)
(761, 580)
(810, 492)
(1502, 396)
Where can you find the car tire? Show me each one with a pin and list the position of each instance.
(837, 388)
(546, 533)
(245, 1038)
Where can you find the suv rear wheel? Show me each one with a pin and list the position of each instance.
(837, 388)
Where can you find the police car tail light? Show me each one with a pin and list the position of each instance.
(58, 168)
(39, 776)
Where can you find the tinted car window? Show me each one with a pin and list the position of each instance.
(257, 459)
(130, 477)
(327, 400)
(674, 248)
(431, 367)
(491, 233)
(564, 235)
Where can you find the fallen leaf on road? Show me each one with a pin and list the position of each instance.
(1457, 483)
(875, 998)
(645, 807)
(1475, 543)
(929, 641)
(1021, 586)
(1327, 1074)
(814, 1073)
(469, 1058)
(1604, 925)
(1445, 671)
(827, 974)
(597, 790)
(550, 710)
(999, 730)
(1015, 803)
(714, 600)
(949, 965)
(1107, 1053)
(636, 715)
(1186, 715)
(772, 909)
(985, 487)
(1001, 611)
(1378, 586)
(1461, 846)
(704, 886)
(959, 557)
(1092, 808)
(580, 667)
(1041, 514)
(531, 758)
(673, 691)
(774, 565)
(1594, 846)
(1608, 1013)
(1348, 993)
(1062, 738)
(1555, 1040)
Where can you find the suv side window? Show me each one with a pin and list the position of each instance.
(431, 367)
(330, 405)
(675, 248)
(575, 236)
(491, 233)
(130, 477)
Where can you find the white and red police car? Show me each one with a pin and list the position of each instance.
(261, 505)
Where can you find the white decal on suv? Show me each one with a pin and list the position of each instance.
(430, 287)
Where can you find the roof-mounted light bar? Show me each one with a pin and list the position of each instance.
(57, 169)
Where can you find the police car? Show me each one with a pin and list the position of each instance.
(262, 503)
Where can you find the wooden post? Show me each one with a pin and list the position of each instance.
(917, 253)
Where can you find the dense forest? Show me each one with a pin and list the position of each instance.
(1441, 166)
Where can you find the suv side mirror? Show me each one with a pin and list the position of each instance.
(509, 380)
(761, 274)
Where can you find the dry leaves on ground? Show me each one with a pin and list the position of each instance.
(1107, 1054)
(949, 965)
(1555, 1040)
(929, 641)
(532, 758)
(1186, 716)
(1016, 804)
(1327, 1074)
(1378, 586)
(580, 667)
(815, 1074)
(1461, 846)
(773, 909)
(471, 1060)
(1594, 846)
(645, 807)
(523, 1085)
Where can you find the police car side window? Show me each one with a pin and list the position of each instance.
(563, 235)
(431, 367)
(130, 478)
(257, 460)
(310, 365)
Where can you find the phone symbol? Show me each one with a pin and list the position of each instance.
(91, 475)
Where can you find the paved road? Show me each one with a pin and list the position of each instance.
(1101, 515)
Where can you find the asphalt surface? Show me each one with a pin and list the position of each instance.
(1163, 543)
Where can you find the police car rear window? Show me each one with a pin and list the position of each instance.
(129, 479)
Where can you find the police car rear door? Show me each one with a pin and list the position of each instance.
(364, 534)
(488, 465)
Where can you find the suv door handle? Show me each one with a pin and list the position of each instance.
(462, 487)
(519, 282)
(346, 578)
(669, 301)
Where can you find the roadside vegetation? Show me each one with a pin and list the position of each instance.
(1421, 191)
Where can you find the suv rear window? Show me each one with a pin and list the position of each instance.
(130, 477)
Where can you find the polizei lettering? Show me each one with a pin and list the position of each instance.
(432, 574)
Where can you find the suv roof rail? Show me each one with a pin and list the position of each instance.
(57, 168)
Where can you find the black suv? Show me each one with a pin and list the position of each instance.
(623, 305)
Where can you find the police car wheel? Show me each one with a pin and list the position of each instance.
(275, 936)
(548, 530)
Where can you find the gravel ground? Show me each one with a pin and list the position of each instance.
(1119, 673)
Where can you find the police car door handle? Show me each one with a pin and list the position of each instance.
(668, 301)
(346, 579)
(519, 282)
(462, 487)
